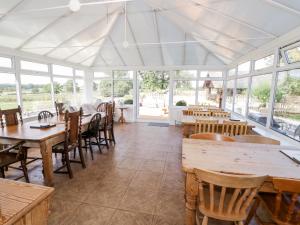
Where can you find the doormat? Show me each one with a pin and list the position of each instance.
(158, 124)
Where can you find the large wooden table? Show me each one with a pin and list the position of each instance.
(235, 158)
(45, 139)
(24, 204)
(188, 123)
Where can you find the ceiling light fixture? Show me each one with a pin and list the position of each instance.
(74, 5)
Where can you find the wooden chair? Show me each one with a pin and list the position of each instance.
(71, 142)
(45, 115)
(212, 137)
(102, 107)
(11, 154)
(11, 117)
(110, 123)
(226, 197)
(201, 113)
(255, 139)
(206, 126)
(92, 132)
(284, 207)
(233, 128)
(59, 107)
(221, 114)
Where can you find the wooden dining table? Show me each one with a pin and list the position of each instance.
(188, 124)
(233, 158)
(44, 139)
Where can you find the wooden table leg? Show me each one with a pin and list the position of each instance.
(191, 193)
(46, 151)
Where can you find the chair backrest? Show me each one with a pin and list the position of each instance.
(73, 122)
(201, 113)
(221, 114)
(206, 126)
(45, 115)
(288, 192)
(212, 137)
(255, 139)
(110, 114)
(235, 198)
(59, 108)
(102, 107)
(94, 124)
(233, 128)
(187, 112)
(11, 116)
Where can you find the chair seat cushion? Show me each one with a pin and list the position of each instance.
(269, 200)
(8, 158)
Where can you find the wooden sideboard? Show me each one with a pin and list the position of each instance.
(23, 203)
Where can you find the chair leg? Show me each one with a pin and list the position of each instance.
(24, 168)
(91, 149)
(113, 135)
(105, 138)
(85, 144)
(252, 211)
(68, 165)
(205, 220)
(98, 143)
(2, 172)
(240, 223)
(74, 154)
(81, 157)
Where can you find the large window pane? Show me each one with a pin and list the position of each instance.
(26, 65)
(241, 96)
(259, 97)
(101, 75)
(62, 70)
(185, 74)
(79, 73)
(184, 90)
(102, 90)
(229, 94)
(8, 96)
(36, 94)
(122, 74)
(264, 62)
(286, 112)
(123, 92)
(79, 91)
(293, 55)
(209, 92)
(244, 68)
(211, 74)
(63, 90)
(231, 72)
(5, 62)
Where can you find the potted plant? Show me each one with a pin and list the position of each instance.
(181, 103)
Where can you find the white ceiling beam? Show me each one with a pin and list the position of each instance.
(31, 38)
(11, 10)
(282, 6)
(134, 39)
(158, 37)
(107, 32)
(117, 50)
(81, 32)
(243, 23)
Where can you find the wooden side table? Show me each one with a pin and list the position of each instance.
(23, 203)
(122, 118)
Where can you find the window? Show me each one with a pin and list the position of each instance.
(8, 96)
(36, 94)
(264, 62)
(211, 74)
(119, 74)
(286, 112)
(231, 72)
(259, 97)
(79, 84)
(244, 68)
(26, 65)
(102, 90)
(293, 55)
(241, 96)
(5, 62)
(79, 73)
(210, 92)
(123, 92)
(185, 74)
(184, 90)
(62, 70)
(101, 75)
(63, 89)
(229, 94)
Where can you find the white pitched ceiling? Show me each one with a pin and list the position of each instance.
(159, 32)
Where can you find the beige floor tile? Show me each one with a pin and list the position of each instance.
(146, 180)
(122, 217)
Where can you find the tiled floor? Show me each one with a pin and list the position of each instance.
(137, 182)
